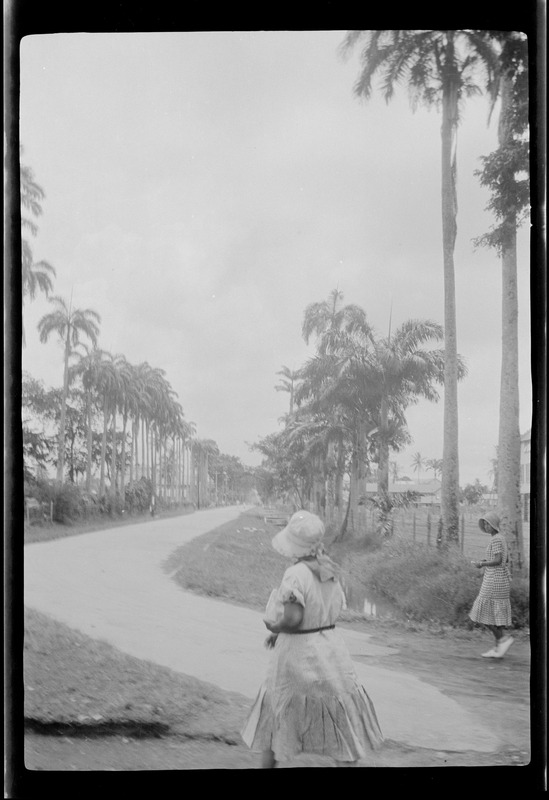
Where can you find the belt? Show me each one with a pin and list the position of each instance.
(313, 630)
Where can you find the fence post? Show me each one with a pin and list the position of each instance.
(428, 527)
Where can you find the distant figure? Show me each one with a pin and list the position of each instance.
(311, 701)
(153, 506)
(492, 606)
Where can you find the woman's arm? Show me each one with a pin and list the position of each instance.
(291, 619)
(496, 561)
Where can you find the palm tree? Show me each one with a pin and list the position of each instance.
(405, 371)
(441, 69)
(335, 377)
(108, 384)
(88, 370)
(505, 172)
(394, 469)
(69, 324)
(288, 384)
(435, 465)
(417, 464)
(34, 276)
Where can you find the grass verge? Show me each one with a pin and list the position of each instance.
(74, 684)
(56, 530)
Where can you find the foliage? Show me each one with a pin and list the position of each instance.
(520, 602)
(473, 492)
(35, 275)
(505, 171)
(385, 504)
(67, 503)
(423, 582)
(138, 499)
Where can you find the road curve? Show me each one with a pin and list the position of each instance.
(110, 585)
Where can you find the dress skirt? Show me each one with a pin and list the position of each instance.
(492, 605)
(311, 702)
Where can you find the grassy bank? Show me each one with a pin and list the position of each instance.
(423, 584)
(77, 686)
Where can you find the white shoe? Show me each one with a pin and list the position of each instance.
(491, 654)
(504, 646)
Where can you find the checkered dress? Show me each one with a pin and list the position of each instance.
(492, 605)
(311, 700)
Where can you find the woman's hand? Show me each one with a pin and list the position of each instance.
(272, 626)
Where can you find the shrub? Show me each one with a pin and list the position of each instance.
(520, 602)
(139, 497)
(111, 504)
(424, 582)
(67, 503)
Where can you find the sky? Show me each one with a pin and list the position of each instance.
(203, 188)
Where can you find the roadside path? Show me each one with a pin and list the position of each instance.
(110, 585)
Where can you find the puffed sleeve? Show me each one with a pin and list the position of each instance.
(292, 589)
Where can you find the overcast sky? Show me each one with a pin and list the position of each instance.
(203, 188)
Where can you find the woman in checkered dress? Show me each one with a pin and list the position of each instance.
(311, 700)
(492, 606)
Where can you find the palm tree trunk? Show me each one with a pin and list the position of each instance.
(90, 443)
(351, 519)
(62, 421)
(450, 455)
(114, 459)
(509, 420)
(123, 458)
(132, 453)
(104, 446)
(509, 428)
(339, 476)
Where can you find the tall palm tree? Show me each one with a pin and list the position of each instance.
(70, 324)
(441, 68)
(506, 172)
(435, 465)
(34, 276)
(417, 464)
(88, 368)
(288, 383)
(108, 385)
(334, 377)
(405, 371)
(128, 399)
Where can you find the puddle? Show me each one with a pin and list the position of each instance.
(366, 602)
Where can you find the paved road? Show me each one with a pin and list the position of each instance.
(111, 585)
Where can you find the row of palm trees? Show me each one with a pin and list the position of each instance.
(348, 402)
(163, 446)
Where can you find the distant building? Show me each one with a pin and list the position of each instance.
(429, 491)
(490, 498)
(525, 448)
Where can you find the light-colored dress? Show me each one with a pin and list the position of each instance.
(311, 701)
(492, 605)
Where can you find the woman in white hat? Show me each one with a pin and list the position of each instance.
(492, 606)
(311, 701)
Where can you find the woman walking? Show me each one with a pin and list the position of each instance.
(492, 606)
(311, 701)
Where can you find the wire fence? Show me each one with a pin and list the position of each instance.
(424, 526)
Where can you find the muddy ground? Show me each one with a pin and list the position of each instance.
(497, 691)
